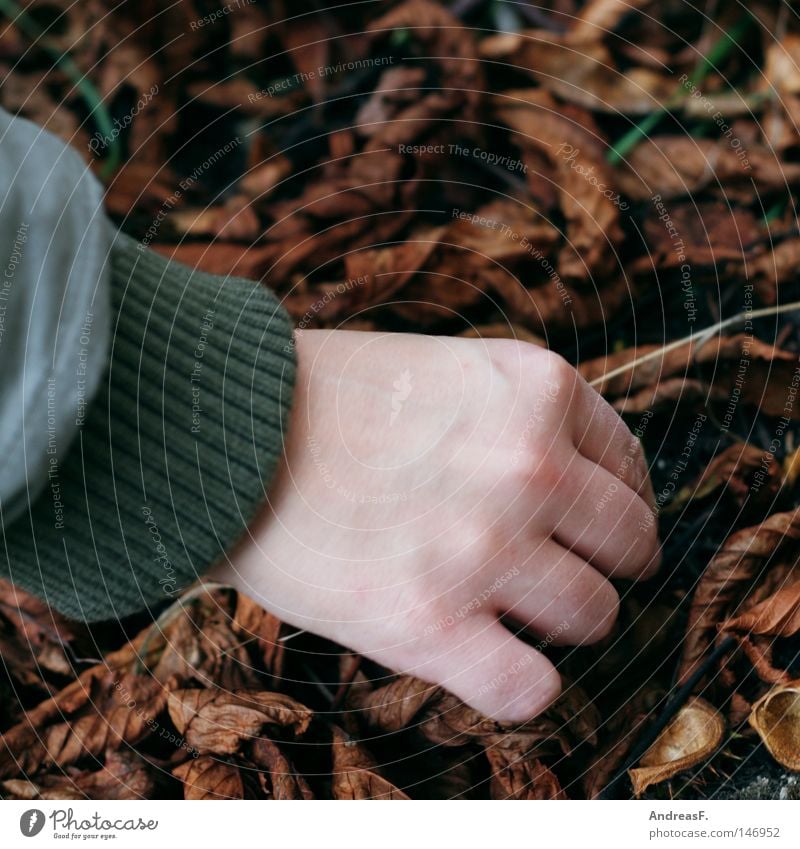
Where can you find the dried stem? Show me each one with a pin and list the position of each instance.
(701, 338)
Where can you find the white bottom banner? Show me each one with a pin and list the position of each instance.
(197, 825)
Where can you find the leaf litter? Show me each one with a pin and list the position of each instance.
(601, 178)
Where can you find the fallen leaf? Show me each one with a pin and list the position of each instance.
(354, 773)
(206, 777)
(692, 736)
(581, 71)
(278, 778)
(776, 718)
(123, 776)
(218, 721)
(732, 576)
(776, 616)
(744, 472)
(572, 153)
(739, 366)
(521, 777)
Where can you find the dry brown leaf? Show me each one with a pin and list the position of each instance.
(592, 217)
(354, 772)
(700, 235)
(218, 721)
(350, 783)
(732, 576)
(444, 39)
(776, 616)
(679, 166)
(581, 71)
(395, 705)
(251, 621)
(201, 646)
(775, 269)
(571, 720)
(693, 735)
(619, 733)
(736, 469)
(278, 778)
(125, 775)
(598, 18)
(235, 219)
(712, 369)
(521, 777)
(776, 718)
(32, 636)
(206, 777)
(141, 187)
(104, 710)
(492, 249)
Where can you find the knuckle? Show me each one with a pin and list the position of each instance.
(558, 370)
(647, 530)
(607, 609)
(540, 469)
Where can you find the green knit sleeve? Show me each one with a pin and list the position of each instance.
(176, 452)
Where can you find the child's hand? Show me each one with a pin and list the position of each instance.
(431, 486)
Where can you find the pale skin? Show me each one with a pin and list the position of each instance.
(441, 498)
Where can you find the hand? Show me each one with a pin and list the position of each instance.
(436, 497)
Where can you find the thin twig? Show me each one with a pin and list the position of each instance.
(701, 338)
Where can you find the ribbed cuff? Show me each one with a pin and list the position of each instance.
(176, 452)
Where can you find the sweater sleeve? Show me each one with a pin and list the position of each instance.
(173, 457)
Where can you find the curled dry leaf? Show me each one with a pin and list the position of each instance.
(761, 373)
(125, 775)
(776, 268)
(618, 735)
(581, 71)
(737, 469)
(570, 721)
(202, 645)
(32, 636)
(702, 235)
(277, 777)
(776, 718)
(776, 616)
(445, 40)
(354, 772)
(592, 216)
(692, 737)
(207, 777)
(442, 719)
(736, 572)
(98, 712)
(491, 250)
(218, 721)
(395, 705)
(681, 166)
(521, 777)
(252, 622)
